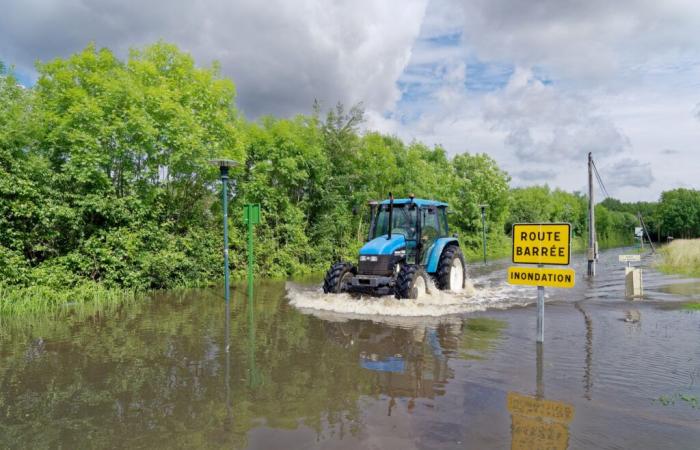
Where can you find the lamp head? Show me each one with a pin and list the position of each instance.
(223, 165)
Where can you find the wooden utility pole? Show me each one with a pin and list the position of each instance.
(591, 219)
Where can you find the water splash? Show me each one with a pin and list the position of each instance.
(479, 295)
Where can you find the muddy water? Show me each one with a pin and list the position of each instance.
(304, 370)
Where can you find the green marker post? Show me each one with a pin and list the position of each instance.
(483, 228)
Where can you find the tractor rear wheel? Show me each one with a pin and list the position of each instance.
(412, 282)
(338, 277)
(452, 271)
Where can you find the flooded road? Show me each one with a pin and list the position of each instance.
(304, 370)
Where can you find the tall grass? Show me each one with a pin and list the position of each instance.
(41, 299)
(681, 256)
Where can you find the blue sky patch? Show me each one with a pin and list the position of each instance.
(487, 77)
(444, 40)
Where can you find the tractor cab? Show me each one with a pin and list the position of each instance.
(415, 224)
(408, 242)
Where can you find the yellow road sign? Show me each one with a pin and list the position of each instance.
(539, 276)
(542, 243)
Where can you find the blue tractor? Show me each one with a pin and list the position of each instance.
(408, 243)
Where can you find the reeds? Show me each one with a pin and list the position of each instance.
(681, 256)
(41, 299)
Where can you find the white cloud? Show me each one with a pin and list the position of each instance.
(545, 124)
(536, 84)
(592, 39)
(619, 79)
(629, 173)
(282, 55)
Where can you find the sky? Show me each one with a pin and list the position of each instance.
(535, 84)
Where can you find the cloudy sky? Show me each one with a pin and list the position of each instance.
(535, 84)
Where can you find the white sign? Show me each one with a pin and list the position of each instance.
(629, 258)
(637, 231)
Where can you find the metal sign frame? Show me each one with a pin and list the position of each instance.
(542, 226)
(251, 211)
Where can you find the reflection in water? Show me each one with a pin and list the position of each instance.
(633, 317)
(152, 375)
(253, 374)
(587, 379)
(411, 362)
(688, 289)
(402, 362)
(227, 368)
(538, 423)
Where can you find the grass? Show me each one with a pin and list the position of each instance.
(22, 301)
(667, 400)
(692, 306)
(681, 256)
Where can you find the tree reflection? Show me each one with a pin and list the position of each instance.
(157, 374)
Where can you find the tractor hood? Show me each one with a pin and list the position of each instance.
(383, 246)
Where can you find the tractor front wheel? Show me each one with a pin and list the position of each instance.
(452, 271)
(412, 282)
(338, 277)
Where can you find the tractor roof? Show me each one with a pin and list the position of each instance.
(418, 201)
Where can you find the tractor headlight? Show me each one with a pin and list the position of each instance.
(368, 258)
(400, 252)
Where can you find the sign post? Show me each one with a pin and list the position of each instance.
(251, 216)
(541, 243)
(633, 276)
(540, 312)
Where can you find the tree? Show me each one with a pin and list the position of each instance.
(679, 212)
(115, 163)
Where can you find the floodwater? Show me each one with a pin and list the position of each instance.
(296, 369)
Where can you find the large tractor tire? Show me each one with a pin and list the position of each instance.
(412, 282)
(338, 277)
(451, 273)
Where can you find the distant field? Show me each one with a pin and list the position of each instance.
(681, 256)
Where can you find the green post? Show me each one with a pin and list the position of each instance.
(250, 253)
(224, 194)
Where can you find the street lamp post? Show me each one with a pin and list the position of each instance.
(483, 228)
(224, 165)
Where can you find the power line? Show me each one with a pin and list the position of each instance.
(600, 180)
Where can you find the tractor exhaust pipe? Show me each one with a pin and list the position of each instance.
(391, 212)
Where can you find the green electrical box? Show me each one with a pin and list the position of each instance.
(251, 214)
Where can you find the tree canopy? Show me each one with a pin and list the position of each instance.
(104, 178)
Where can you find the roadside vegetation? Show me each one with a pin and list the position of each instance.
(682, 256)
(105, 190)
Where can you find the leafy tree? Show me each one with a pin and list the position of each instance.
(679, 212)
(115, 156)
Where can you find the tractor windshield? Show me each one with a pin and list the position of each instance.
(403, 221)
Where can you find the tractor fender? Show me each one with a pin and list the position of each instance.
(438, 247)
